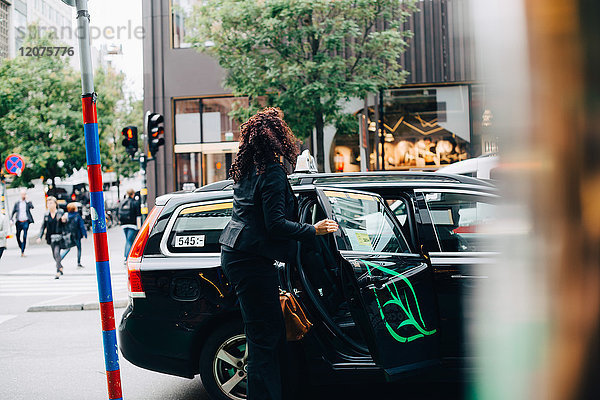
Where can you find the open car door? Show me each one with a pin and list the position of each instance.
(388, 286)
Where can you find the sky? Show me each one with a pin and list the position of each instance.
(112, 14)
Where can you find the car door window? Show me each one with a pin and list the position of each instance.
(400, 210)
(364, 224)
(462, 221)
(196, 228)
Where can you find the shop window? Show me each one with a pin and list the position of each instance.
(425, 127)
(187, 121)
(217, 124)
(205, 137)
(189, 170)
(197, 169)
(207, 120)
(422, 128)
(216, 166)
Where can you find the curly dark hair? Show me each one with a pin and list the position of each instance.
(264, 139)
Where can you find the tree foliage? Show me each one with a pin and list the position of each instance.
(307, 56)
(116, 110)
(41, 117)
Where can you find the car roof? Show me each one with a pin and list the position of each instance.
(362, 180)
(409, 177)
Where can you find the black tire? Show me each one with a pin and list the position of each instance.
(215, 373)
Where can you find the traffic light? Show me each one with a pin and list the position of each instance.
(130, 139)
(155, 131)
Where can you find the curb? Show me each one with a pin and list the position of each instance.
(75, 307)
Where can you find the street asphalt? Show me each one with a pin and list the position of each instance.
(58, 355)
(28, 282)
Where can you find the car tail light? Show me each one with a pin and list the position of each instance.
(134, 260)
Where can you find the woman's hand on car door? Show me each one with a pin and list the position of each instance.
(326, 226)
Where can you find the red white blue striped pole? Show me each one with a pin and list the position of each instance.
(92, 150)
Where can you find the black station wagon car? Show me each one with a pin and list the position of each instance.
(386, 293)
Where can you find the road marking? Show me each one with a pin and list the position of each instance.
(19, 286)
(4, 318)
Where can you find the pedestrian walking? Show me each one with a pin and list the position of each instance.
(21, 215)
(76, 228)
(128, 213)
(4, 232)
(53, 226)
(264, 228)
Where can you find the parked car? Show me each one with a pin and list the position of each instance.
(483, 167)
(69, 192)
(386, 293)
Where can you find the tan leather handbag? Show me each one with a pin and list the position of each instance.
(296, 323)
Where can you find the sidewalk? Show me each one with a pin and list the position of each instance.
(77, 303)
(38, 263)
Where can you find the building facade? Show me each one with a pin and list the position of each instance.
(13, 19)
(434, 119)
(5, 29)
(54, 16)
(17, 15)
(49, 13)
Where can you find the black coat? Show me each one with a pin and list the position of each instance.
(28, 208)
(75, 225)
(129, 211)
(265, 215)
(51, 225)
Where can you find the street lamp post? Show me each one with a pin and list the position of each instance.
(92, 149)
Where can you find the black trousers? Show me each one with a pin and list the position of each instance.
(22, 226)
(56, 255)
(257, 287)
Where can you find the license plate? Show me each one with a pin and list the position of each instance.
(189, 241)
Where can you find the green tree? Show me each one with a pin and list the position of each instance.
(40, 113)
(115, 111)
(308, 56)
(39, 116)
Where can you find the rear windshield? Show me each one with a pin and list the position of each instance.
(197, 228)
(365, 224)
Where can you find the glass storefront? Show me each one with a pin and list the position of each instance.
(198, 169)
(206, 139)
(207, 120)
(422, 128)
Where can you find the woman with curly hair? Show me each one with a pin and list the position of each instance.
(263, 228)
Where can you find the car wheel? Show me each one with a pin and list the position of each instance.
(223, 363)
